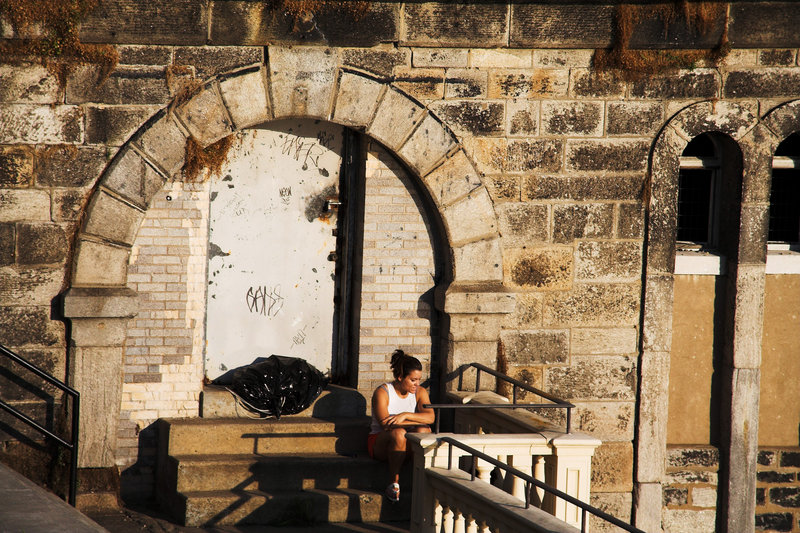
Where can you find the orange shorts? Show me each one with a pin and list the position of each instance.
(371, 444)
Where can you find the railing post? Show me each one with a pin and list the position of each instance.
(569, 469)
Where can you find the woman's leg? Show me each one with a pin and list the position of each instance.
(390, 446)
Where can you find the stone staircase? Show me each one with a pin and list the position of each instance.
(301, 470)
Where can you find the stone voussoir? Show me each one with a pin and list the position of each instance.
(131, 177)
(205, 116)
(356, 99)
(428, 145)
(112, 219)
(471, 218)
(164, 143)
(396, 116)
(98, 263)
(245, 95)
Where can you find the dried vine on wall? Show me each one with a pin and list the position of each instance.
(48, 30)
(212, 157)
(699, 17)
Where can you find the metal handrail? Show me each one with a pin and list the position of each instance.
(72, 446)
(558, 403)
(530, 481)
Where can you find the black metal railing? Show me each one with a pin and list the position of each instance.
(71, 445)
(531, 482)
(557, 403)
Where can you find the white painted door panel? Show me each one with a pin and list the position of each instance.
(270, 280)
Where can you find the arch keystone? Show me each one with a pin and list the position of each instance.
(301, 80)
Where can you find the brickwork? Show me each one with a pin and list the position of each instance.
(778, 490)
(163, 369)
(398, 272)
(690, 492)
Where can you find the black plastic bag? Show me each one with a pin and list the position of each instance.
(278, 385)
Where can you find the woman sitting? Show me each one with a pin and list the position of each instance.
(397, 408)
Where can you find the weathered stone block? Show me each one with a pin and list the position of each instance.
(767, 458)
(134, 22)
(593, 341)
(245, 96)
(7, 244)
(131, 177)
(783, 120)
(608, 421)
(257, 23)
(27, 387)
(124, 86)
(572, 118)
(516, 83)
(523, 156)
(205, 116)
(762, 83)
(41, 244)
(698, 83)
(111, 219)
(478, 261)
(774, 521)
(465, 83)
(379, 61)
(696, 456)
(539, 268)
(689, 477)
(422, 84)
(445, 24)
(25, 205)
(562, 58)
(302, 81)
(675, 497)
(614, 503)
(487, 58)
(784, 57)
(790, 459)
(608, 261)
(165, 144)
(582, 221)
(561, 26)
(428, 145)
(440, 57)
(144, 55)
(100, 264)
(475, 327)
(503, 188)
(764, 25)
(471, 118)
(681, 521)
(114, 125)
(761, 497)
(68, 166)
(648, 505)
(356, 99)
(607, 156)
(591, 83)
(527, 314)
(634, 118)
(630, 221)
(28, 83)
(395, 118)
(466, 352)
(536, 347)
(593, 305)
(452, 180)
(16, 166)
(522, 224)
(530, 375)
(775, 477)
(522, 117)
(612, 467)
(95, 302)
(30, 286)
(733, 119)
(41, 124)
(785, 496)
(594, 378)
(465, 299)
(470, 218)
(544, 187)
(212, 60)
(20, 326)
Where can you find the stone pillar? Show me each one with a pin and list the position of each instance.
(571, 467)
(476, 316)
(99, 318)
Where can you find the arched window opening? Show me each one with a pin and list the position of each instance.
(784, 207)
(698, 195)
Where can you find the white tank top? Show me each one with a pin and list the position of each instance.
(397, 405)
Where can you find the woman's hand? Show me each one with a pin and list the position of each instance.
(395, 420)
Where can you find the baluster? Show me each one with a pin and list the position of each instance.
(447, 519)
(483, 527)
(437, 515)
(538, 474)
(483, 469)
(458, 522)
(472, 525)
(515, 485)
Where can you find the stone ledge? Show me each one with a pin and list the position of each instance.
(96, 302)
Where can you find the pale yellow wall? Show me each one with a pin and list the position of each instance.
(691, 360)
(779, 410)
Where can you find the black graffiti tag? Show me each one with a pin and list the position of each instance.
(263, 300)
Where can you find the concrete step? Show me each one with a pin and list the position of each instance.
(271, 472)
(335, 401)
(239, 436)
(288, 508)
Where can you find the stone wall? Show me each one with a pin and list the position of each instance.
(778, 492)
(690, 492)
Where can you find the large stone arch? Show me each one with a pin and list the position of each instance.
(297, 82)
(757, 143)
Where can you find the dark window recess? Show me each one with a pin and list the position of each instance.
(784, 206)
(694, 205)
